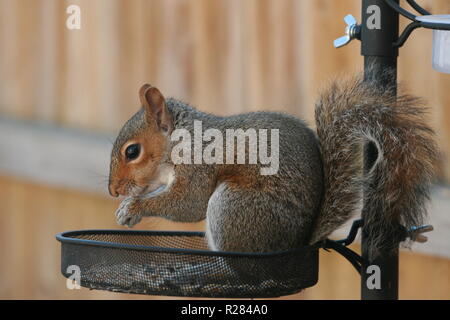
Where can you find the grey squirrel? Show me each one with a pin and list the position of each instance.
(320, 179)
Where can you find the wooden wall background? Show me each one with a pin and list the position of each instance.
(223, 56)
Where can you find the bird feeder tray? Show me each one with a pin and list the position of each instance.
(180, 264)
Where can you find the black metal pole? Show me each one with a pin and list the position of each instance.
(379, 30)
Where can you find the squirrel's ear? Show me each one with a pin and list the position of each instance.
(155, 107)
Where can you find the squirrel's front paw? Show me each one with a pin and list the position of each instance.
(125, 215)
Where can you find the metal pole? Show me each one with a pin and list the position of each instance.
(379, 30)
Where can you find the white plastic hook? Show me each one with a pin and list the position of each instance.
(441, 41)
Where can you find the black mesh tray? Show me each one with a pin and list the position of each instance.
(180, 264)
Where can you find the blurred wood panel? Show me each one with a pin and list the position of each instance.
(223, 56)
(31, 216)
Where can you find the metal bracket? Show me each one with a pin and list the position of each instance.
(416, 233)
(352, 31)
(340, 246)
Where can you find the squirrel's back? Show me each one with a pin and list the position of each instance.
(297, 182)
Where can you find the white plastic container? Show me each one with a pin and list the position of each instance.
(441, 42)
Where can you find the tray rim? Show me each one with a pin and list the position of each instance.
(65, 237)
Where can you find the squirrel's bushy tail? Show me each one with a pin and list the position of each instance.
(350, 115)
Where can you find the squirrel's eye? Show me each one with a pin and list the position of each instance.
(132, 151)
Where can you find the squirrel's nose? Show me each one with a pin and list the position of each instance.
(112, 188)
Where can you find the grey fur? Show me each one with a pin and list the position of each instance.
(319, 183)
(350, 114)
(268, 213)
